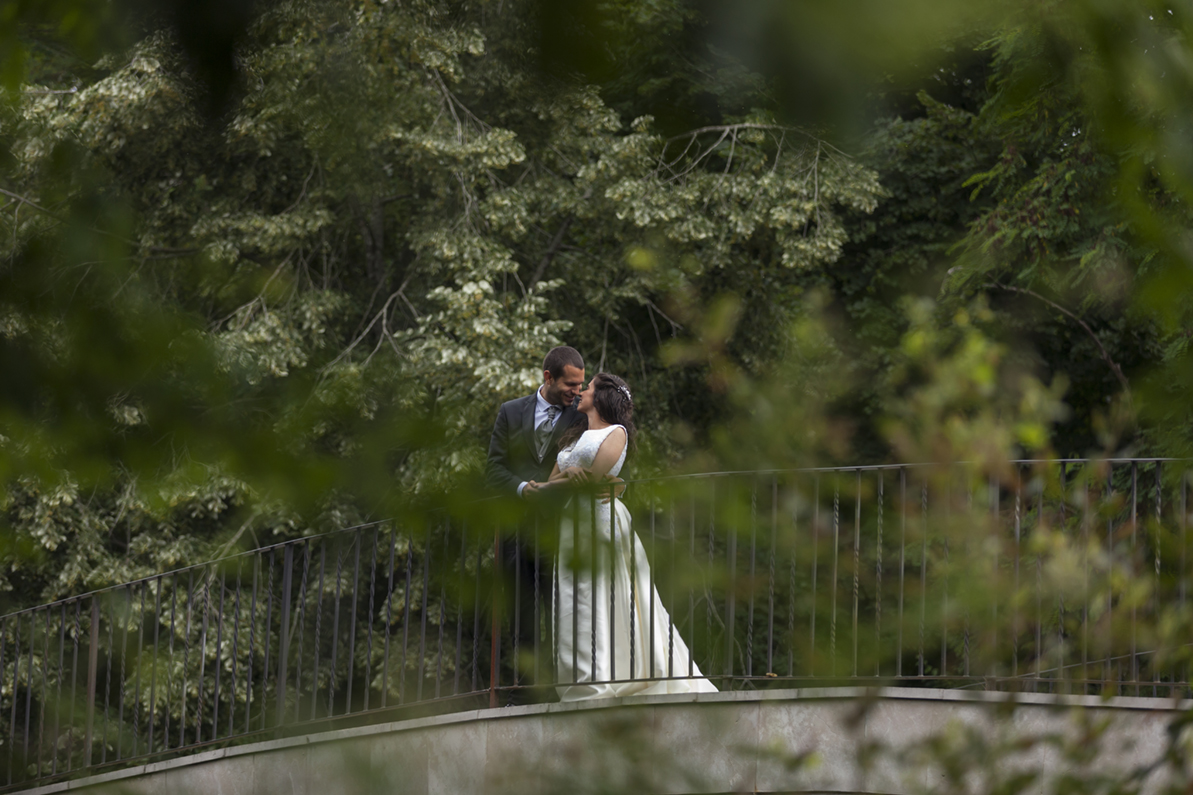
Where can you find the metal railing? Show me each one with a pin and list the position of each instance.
(948, 576)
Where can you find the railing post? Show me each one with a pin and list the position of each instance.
(284, 632)
(495, 640)
(92, 665)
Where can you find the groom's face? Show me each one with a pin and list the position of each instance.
(564, 390)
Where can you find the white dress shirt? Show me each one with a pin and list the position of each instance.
(541, 407)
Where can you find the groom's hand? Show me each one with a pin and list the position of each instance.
(531, 489)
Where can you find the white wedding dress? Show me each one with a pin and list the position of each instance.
(598, 657)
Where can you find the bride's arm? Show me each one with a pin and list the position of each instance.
(608, 454)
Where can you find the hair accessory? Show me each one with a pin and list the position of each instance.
(625, 392)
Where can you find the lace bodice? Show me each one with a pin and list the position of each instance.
(583, 452)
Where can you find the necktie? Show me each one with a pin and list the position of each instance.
(543, 432)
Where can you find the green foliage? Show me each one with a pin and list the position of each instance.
(291, 299)
(305, 310)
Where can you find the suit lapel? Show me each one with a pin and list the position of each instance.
(528, 425)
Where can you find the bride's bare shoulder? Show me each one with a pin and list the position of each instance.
(613, 437)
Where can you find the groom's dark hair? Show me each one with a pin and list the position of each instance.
(563, 356)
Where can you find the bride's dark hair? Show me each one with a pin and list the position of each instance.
(613, 403)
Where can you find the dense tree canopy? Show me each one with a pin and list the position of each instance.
(278, 279)
(349, 267)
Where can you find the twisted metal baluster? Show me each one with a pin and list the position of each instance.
(203, 660)
(235, 654)
(318, 633)
(137, 684)
(857, 565)
(74, 684)
(103, 757)
(878, 577)
(248, 686)
(186, 656)
(170, 669)
(123, 675)
(770, 580)
(750, 608)
(301, 624)
(265, 637)
(369, 638)
(832, 632)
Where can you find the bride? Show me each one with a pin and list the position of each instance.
(610, 642)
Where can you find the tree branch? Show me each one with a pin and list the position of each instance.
(1118, 371)
(163, 250)
(674, 326)
(552, 250)
(38, 207)
(379, 316)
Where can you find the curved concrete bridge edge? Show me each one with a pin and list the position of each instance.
(706, 743)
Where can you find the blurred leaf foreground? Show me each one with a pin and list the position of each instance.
(268, 269)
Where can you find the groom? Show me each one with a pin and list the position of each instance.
(527, 432)
(521, 456)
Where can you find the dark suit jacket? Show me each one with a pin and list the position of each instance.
(512, 454)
